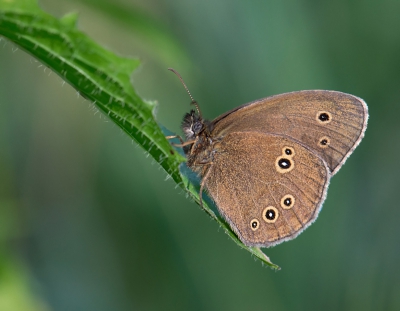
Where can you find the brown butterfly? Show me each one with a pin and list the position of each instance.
(267, 164)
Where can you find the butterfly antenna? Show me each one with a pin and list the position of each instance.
(194, 103)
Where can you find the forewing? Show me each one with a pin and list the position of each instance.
(329, 123)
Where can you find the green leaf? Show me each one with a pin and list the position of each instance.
(103, 78)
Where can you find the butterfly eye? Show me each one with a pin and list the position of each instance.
(197, 127)
(324, 117)
(254, 224)
(287, 201)
(270, 214)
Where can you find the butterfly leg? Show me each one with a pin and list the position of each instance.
(175, 136)
(182, 144)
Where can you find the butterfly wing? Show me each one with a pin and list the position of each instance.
(269, 188)
(329, 123)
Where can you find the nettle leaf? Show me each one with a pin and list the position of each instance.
(103, 78)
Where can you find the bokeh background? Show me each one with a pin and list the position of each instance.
(88, 222)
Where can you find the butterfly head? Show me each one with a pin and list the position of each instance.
(192, 125)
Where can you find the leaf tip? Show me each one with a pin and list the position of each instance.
(70, 19)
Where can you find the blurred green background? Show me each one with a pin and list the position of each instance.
(88, 222)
